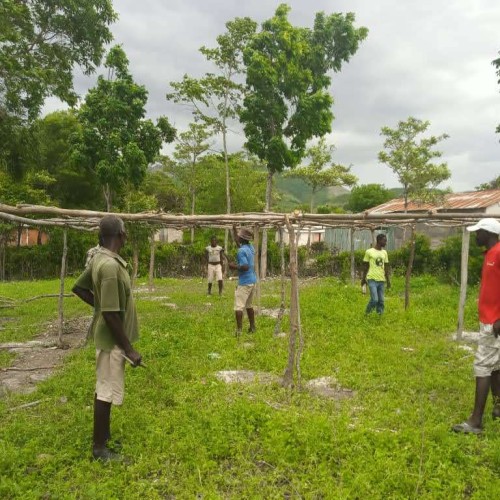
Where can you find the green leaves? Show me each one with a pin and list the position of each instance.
(39, 44)
(116, 142)
(287, 101)
(317, 176)
(410, 159)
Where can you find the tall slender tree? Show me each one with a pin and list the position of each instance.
(410, 158)
(496, 63)
(287, 101)
(216, 97)
(116, 141)
(318, 175)
(192, 145)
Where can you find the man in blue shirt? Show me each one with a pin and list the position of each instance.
(246, 280)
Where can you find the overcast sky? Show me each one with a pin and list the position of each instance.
(428, 58)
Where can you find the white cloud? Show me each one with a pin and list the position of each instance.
(430, 59)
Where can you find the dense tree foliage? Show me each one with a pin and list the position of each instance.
(410, 158)
(367, 196)
(318, 175)
(116, 142)
(216, 97)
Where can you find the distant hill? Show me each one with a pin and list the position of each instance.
(293, 193)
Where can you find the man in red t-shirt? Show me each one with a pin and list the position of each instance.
(487, 359)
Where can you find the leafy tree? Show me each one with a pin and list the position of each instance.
(40, 41)
(216, 98)
(74, 184)
(191, 146)
(367, 196)
(493, 184)
(496, 63)
(316, 176)
(247, 184)
(116, 142)
(410, 158)
(161, 184)
(287, 101)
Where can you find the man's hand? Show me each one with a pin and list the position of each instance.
(232, 265)
(134, 356)
(496, 328)
(363, 281)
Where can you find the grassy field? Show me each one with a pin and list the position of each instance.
(189, 435)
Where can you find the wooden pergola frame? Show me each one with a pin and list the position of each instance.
(86, 220)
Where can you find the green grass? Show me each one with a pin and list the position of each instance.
(188, 434)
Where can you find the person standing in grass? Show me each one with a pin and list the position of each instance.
(105, 285)
(247, 279)
(214, 254)
(487, 358)
(376, 274)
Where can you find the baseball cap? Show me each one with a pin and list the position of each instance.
(489, 224)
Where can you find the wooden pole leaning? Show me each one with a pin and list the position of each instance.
(61, 287)
(288, 377)
(463, 281)
(256, 241)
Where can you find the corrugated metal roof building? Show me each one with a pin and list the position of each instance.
(487, 202)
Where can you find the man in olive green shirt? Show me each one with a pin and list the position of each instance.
(105, 285)
(376, 274)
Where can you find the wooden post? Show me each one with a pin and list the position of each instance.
(61, 289)
(410, 266)
(152, 262)
(353, 262)
(281, 312)
(463, 281)
(256, 238)
(374, 238)
(288, 376)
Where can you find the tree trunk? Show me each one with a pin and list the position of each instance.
(152, 262)
(3, 247)
(61, 288)
(135, 261)
(353, 262)
(263, 254)
(288, 377)
(107, 196)
(463, 281)
(256, 266)
(228, 183)
(311, 208)
(281, 312)
(410, 267)
(193, 201)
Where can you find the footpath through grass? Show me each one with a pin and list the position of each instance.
(189, 435)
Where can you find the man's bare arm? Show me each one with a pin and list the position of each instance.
(86, 295)
(115, 325)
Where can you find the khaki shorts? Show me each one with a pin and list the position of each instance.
(243, 297)
(110, 374)
(214, 273)
(487, 359)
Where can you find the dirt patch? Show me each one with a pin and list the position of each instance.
(36, 363)
(467, 337)
(328, 387)
(272, 313)
(246, 377)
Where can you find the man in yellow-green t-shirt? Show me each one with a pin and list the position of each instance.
(105, 285)
(376, 274)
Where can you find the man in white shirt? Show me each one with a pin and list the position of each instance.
(214, 254)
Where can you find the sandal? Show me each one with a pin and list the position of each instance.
(465, 428)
